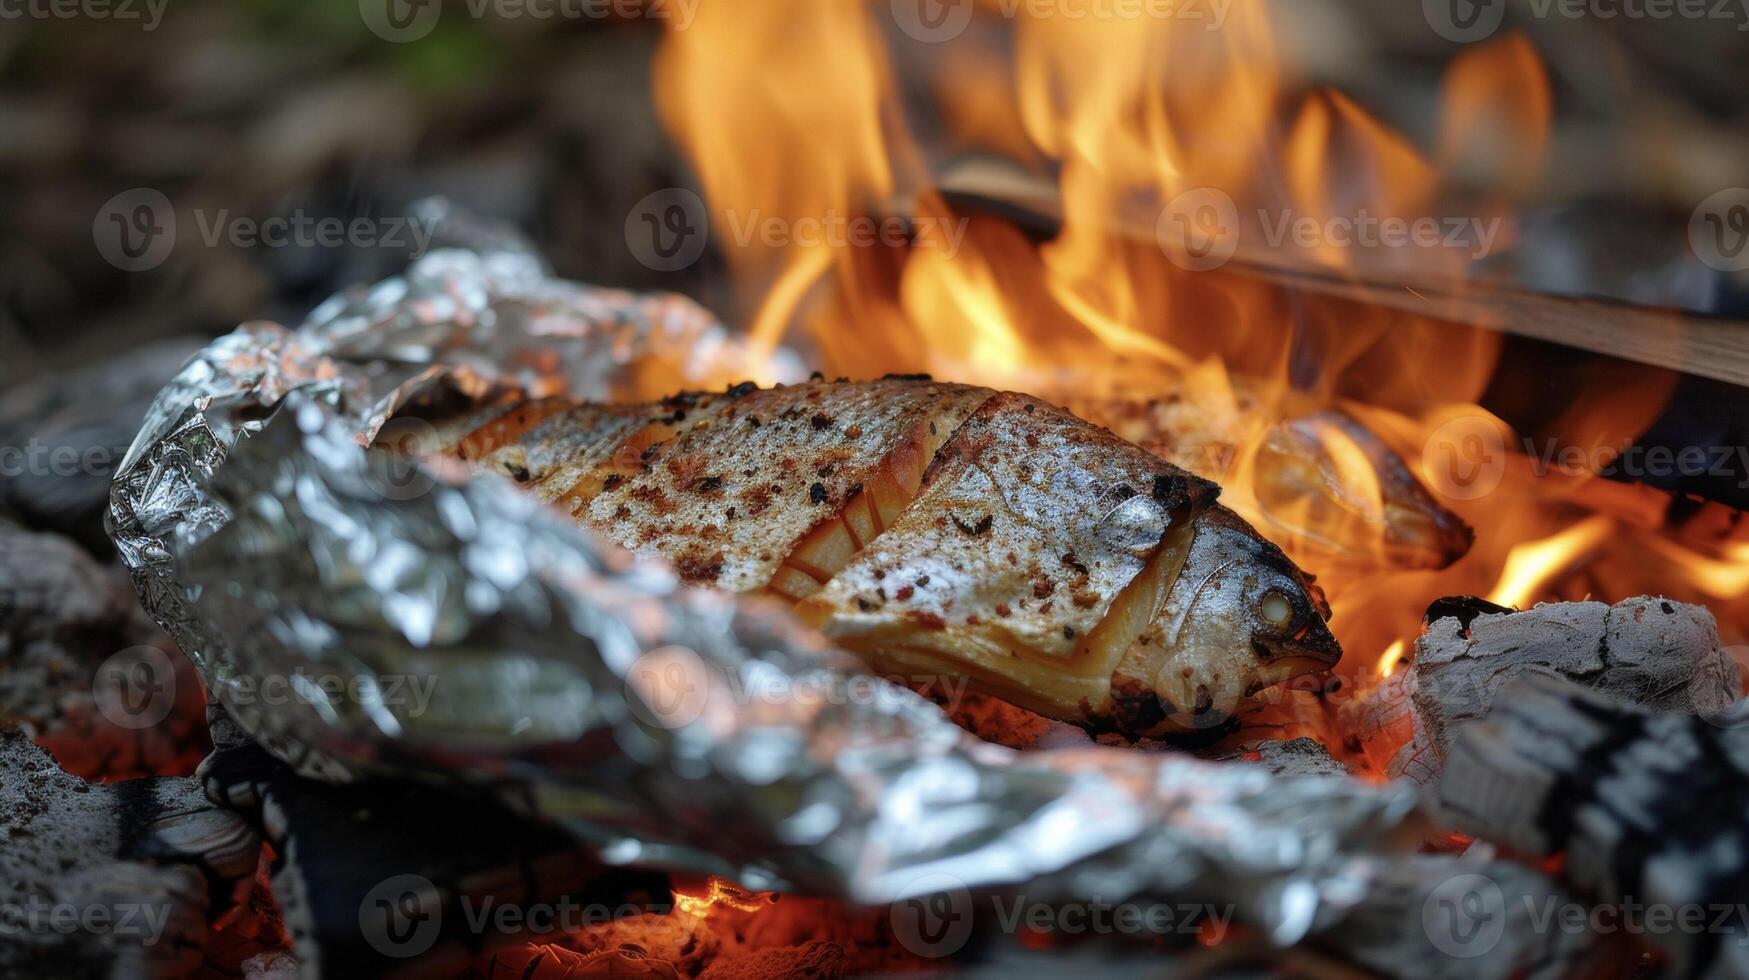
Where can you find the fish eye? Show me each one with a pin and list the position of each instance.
(1276, 609)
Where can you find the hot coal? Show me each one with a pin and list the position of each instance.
(1648, 809)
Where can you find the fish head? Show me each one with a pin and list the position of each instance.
(1240, 617)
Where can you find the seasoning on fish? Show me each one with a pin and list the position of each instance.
(944, 530)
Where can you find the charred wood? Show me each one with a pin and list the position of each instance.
(111, 880)
(1650, 810)
(1663, 655)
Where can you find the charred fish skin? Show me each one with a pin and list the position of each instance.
(944, 530)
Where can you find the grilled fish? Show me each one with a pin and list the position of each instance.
(942, 531)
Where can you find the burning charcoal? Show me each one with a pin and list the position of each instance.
(69, 432)
(806, 962)
(387, 877)
(111, 880)
(78, 652)
(1653, 652)
(1649, 809)
(1294, 757)
(270, 966)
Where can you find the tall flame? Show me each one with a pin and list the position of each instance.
(789, 110)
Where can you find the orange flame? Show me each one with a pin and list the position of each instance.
(789, 110)
(720, 893)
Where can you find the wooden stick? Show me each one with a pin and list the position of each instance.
(1705, 347)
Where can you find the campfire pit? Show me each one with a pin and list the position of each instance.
(478, 703)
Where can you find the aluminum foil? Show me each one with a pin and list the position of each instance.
(420, 621)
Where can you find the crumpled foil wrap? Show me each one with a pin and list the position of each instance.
(663, 725)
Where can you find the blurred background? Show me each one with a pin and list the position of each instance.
(288, 108)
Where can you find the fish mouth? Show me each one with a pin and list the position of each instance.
(1315, 645)
(1285, 668)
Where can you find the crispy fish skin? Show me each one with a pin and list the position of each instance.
(944, 531)
(1030, 524)
(729, 498)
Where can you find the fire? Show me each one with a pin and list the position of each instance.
(792, 109)
(720, 893)
(1389, 659)
(1531, 567)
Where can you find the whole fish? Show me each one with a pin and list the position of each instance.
(941, 531)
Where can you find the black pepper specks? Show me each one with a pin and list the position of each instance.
(817, 493)
(982, 526)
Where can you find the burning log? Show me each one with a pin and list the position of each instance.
(111, 879)
(1663, 655)
(1647, 808)
(1700, 346)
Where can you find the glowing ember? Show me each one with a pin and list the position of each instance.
(721, 893)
